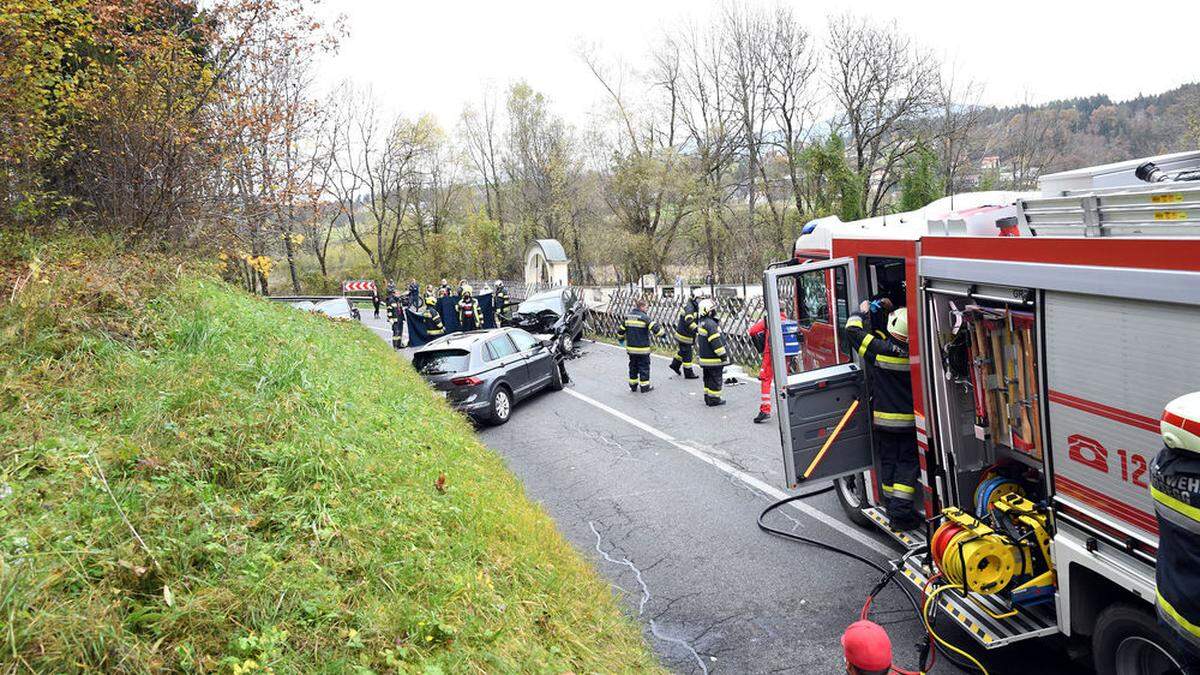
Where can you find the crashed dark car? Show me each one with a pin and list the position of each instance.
(556, 314)
(484, 373)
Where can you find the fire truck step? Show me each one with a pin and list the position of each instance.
(972, 614)
(909, 540)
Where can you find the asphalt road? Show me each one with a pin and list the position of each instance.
(662, 494)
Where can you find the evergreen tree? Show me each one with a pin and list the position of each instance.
(921, 181)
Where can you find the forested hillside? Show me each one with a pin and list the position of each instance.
(201, 126)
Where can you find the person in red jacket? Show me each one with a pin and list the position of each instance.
(766, 374)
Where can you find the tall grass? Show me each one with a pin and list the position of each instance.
(194, 479)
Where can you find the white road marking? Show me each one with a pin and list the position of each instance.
(765, 488)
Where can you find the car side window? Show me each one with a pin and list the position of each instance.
(523, 340)
(500, 347)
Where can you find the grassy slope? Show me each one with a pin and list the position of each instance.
(281, 470)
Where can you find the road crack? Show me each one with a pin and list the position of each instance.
(637, 573)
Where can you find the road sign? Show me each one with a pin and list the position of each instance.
(358, 285)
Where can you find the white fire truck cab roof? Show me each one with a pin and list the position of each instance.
(969, 213)
(1102, 200)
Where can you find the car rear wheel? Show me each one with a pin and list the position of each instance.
(501, 405)
(852, 495)
(1129, 641)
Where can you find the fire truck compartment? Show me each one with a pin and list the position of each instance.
(985, 385)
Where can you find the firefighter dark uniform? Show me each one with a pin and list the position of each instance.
(685, 338)
(414, 295)
(634, 332)
(393, 305)
(468, 313)
(713, 357)
(398, 329)
(500, 300)
(433, 321)
(1175, 485)
(892, 417)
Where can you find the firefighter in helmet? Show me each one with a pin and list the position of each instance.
(500, 302)
(711, 352)
(685, 339)
(634, 333)
(397, 316)
(468, 310)
(433, 321)
(444, 290)
(1175, 485)
(891, 406)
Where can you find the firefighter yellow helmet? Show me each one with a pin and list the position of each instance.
(1180, 424)
(466, 289)
(897, 324)
(430, 300)
(707, 307)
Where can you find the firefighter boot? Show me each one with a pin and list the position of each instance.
(689, 374)
(675, 365)
(762, 417)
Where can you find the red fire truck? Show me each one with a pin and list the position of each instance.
(1047, 331)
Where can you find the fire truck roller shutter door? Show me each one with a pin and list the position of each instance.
(1111, 365)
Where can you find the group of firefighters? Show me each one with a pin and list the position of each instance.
(878, 332)
(470, 313)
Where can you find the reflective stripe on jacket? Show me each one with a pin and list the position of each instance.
(468, 309)
(433, 322)
(710, 344)
(1175, 485)
(635, 332)
(685, 328)
(888, 369)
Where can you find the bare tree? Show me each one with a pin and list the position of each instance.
(650, 185)
(959, 118)
(1032, 140)
(745, 82)
(790, 97)
(885, 87)
(691, 68)
(483, 135)
(545, 170)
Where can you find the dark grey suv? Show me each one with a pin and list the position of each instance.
(483, 373)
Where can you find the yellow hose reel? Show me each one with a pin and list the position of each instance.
(980, 559)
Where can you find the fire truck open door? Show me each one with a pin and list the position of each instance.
(824, 416)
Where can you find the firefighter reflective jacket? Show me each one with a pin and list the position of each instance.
(468, 312)
(433, 322)
(685, 328)
(635, 332)
(710, 345)
(1175, 484)
(501, 300)
(891, 382)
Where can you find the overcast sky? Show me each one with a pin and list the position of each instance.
(432, 56)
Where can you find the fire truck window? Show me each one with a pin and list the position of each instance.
(818, 301)
(814, 297)
(887, 280)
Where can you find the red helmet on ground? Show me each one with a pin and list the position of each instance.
(867, 646)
